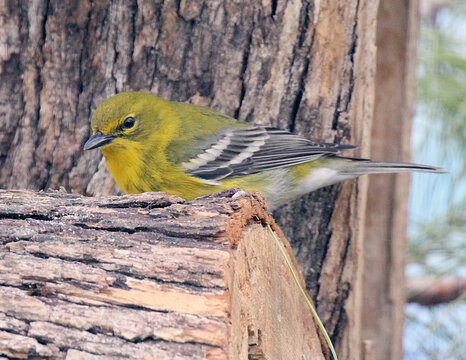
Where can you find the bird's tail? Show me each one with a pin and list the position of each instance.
(363, 166)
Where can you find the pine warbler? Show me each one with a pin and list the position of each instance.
(151, 144)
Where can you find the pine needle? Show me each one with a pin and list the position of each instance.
(303, 293)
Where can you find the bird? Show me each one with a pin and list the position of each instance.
(152, 144)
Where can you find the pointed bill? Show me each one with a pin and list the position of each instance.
(98, 140)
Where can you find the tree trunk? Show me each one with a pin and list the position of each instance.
(306, 66)
(387, 207)
(119, 277)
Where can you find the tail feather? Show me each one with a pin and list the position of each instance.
(363, 166)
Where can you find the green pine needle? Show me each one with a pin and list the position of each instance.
(303, 293)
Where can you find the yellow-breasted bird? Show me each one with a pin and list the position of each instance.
(151, 144)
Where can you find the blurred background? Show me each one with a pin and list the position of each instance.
(435, 325)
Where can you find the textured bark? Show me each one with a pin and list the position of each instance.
(387, 207)
(306, 66)
(147, 276)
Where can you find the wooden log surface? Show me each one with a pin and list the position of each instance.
(147, 276)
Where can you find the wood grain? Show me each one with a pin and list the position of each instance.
(387, 199)
(147, 276)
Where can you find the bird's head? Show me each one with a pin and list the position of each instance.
(124, 121)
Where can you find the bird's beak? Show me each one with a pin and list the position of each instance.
(98, 140)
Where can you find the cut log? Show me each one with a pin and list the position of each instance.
(147, 276)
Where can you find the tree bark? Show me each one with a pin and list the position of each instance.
(305, 66)
(387, 206)
(147, 276)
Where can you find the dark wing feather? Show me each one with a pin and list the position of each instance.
(254, 149)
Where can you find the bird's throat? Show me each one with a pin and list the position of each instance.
(126, 166)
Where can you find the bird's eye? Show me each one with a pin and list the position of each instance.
(129, 122)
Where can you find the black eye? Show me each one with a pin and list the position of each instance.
(129, 122)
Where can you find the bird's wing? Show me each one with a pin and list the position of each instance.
(254, 149)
